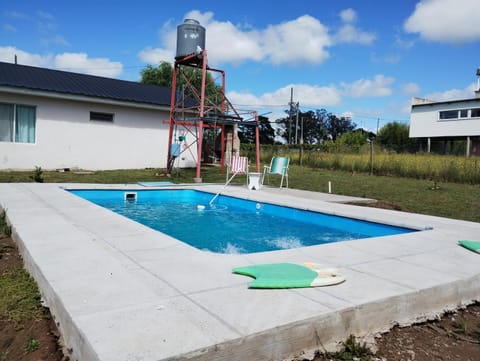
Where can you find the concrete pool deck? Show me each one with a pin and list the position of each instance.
(121, 291)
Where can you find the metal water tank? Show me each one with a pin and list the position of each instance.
(190, 38)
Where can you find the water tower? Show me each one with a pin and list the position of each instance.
(190, 38)
(198, 102)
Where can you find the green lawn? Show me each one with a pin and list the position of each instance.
(460, 201)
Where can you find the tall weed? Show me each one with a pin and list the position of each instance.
(457, 169)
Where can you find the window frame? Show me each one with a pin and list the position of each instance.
(14, 131)
(473, 111)
(461, 114)
(105, 117)
(447, 114)
(467, 115)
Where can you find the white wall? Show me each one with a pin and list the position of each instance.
(424, 121)
(66, 138)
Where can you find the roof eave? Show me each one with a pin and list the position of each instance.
(468, 100)
(81, 98)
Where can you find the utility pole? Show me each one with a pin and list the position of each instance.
(296, 124)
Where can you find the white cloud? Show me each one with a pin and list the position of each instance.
(225, 41)
(316, 96)
(450, 21)
(301, 40)
(348, 15)
(277, 101)
(349, 33)
(80, 62)
(246, 100)
(378, 87)
(308, 95)
(452, 94)
(76, 62)
(7, 54)
(274, 104)
(411, 89)
(203, 18)
(156, 55)
(242, 45)
(404, 43)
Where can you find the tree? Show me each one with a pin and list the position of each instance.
(316, 126)
(394, 136)
(338, 126)
(355, 138)
(350, 142)
(310, 124)
(161, 75)
(246, 133)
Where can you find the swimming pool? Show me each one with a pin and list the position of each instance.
(232, 225)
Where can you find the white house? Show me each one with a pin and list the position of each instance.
(447, 120)
(56, 119)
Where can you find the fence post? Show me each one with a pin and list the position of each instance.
(371, 157)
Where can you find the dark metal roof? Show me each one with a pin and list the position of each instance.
(33, 78)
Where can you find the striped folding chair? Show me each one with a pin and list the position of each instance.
(238, 165)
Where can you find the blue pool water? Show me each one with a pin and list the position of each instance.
(232, 225)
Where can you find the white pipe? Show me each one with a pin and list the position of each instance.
(220, 191)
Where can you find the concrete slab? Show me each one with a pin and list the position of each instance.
(121, 291)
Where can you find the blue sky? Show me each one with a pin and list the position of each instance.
(364, 58)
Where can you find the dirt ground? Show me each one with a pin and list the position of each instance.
(455, 337)
(18, 340)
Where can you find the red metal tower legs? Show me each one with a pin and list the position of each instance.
(198, 102)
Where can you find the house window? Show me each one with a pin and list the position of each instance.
(475, 113)
(102, 117)
(448, 114)
(459, 114)
(17, 123)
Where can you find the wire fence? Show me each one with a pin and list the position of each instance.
(377, 161)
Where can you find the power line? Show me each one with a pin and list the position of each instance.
(285, 106)
(305, 108)
(261, 105)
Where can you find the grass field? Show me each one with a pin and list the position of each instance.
(441, 168)
(452, 200)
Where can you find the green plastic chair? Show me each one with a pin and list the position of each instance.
(279, 166)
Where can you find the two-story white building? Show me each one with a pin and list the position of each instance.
(56, 119)
(447, 120)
